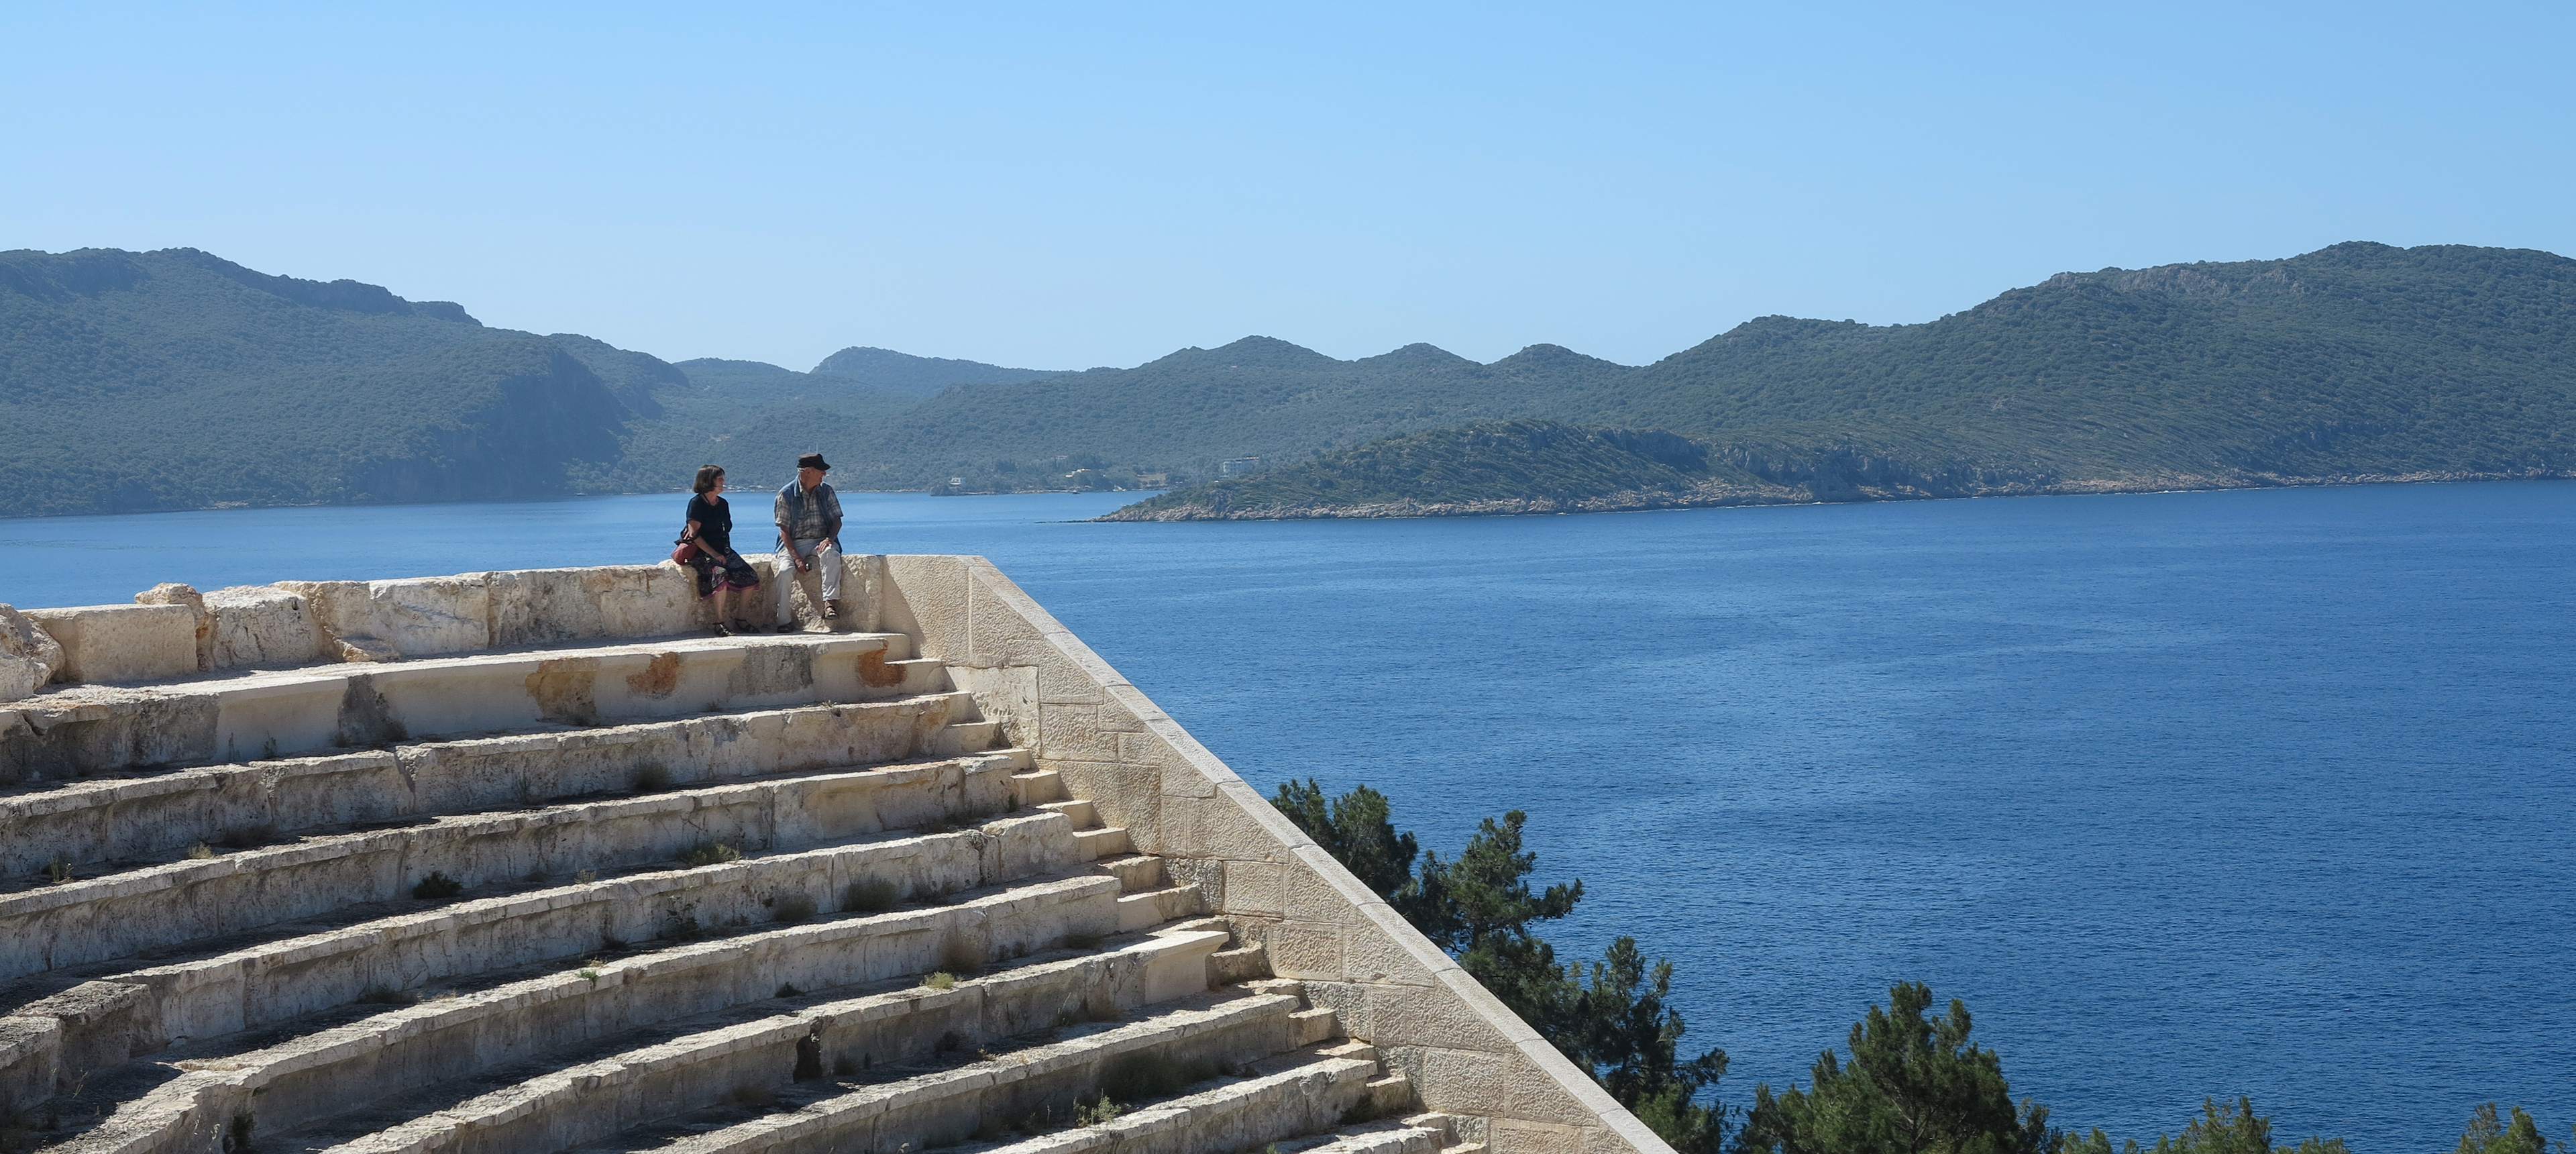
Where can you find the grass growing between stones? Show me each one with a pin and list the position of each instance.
(869, 896)
(437, 885)
(652, 777)
(707, 853)
(795, 907)
(1099, 1113)
(940, 980)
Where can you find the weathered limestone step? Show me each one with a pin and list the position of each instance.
(1079, 809)
(314, 1076)
(1100, 843)
(142, 1010)
(178, 902)
(1284, 1097)
(947, 1106)
(1038, 785)
(966, 737)
(86, 822)
(568, 1102)
(1136, 872)
(1159, 906)
(1373, 1138)
(1247, 962)
(92, 728)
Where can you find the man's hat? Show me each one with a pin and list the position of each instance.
(812, 461)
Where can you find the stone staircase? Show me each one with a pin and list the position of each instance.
(751, 894)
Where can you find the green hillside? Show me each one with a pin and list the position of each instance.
(1495, 467)
(2354, 360)
(753, 418)
(175, 379)
(1256, 397)
(905, 375)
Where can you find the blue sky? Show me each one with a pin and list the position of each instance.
(1057, 187)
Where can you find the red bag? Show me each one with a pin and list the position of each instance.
(687, 552)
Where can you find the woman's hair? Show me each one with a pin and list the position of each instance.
(707, 475)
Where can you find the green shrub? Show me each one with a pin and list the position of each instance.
(653, 777)
(1099, 1113)
(707, 853)
(795, 907)
(869, 896)
(437, 885)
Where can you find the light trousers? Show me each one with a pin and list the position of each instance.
(826, 557)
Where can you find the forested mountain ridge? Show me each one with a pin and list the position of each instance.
(175, 379)
(2355, 362)
(2357, 359)
(1187, 411)
(905, 375)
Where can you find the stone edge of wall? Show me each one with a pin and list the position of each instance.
(1467, 1054)
(173, 631)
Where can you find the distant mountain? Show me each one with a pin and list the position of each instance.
(1500, 467)
(905, 375)
(753, 418)
(176, 379)
(1191, 410)
(2354, 360)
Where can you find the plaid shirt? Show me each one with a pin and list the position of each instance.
(808, 518)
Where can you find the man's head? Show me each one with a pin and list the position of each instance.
(810, 469)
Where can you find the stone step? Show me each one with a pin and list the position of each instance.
(946, 1106)
(636, 1079)
(1079, 809)
(1136, 872)
(1247, 962)
(1100, 843)
(1372, 1138)
(1156, 907)
(86, 729)
(1283, 1097)
(177, 902)
(965, 737)
(1039, 785)
(135, 1011)
(316, 1075)
(87, 822)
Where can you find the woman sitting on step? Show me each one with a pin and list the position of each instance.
(710, 530)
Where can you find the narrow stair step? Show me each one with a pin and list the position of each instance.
(942, 1107)
(585, 1094)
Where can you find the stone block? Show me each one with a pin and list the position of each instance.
(29, 657)
(259, 626)
(412, 617)
(123, 642)
(175, 593)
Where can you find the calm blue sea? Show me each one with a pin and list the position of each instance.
(2186, 794)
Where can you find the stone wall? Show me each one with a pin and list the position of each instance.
(1467, 1054)
(1464, 1052)
(173, 631)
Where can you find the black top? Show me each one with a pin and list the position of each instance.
(715, 523)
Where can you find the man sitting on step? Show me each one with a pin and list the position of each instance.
(809, 537)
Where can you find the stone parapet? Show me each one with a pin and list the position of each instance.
(1465, 1053)
(174, 632)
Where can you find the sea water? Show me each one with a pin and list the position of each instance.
(2186, 795)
